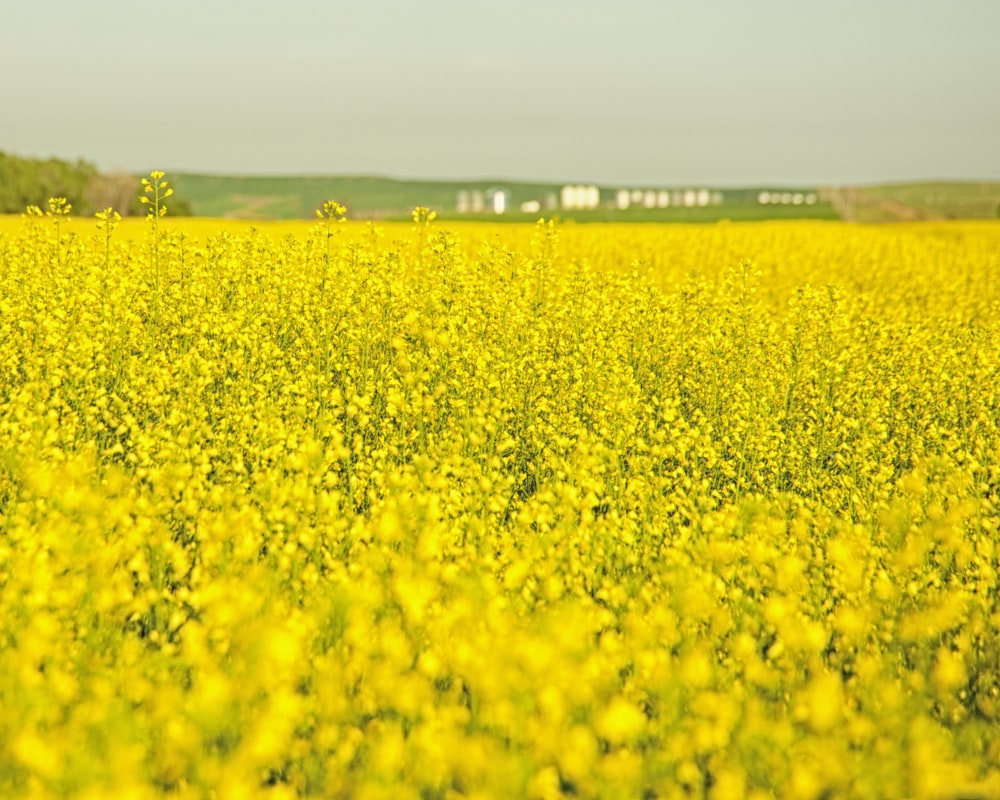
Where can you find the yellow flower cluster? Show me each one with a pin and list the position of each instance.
(409, 511)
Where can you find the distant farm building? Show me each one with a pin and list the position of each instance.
(578, 197)
(475, 201)
(497, 200)
(470, 201)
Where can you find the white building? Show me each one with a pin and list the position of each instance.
(575, 197)
(497, 200)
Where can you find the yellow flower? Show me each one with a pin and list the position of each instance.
(621, 721)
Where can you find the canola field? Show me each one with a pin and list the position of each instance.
(467, 511)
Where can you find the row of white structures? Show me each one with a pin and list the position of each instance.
(498, 201)
(786, 198)
(574, 197)
(665, 198)
(579, 197)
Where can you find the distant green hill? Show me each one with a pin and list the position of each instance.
(374, 197)
(369, 197)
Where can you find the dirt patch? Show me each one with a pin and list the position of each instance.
(252, 206)
(856, 205)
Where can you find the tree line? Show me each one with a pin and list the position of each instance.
(32, 181)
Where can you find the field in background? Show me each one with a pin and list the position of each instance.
(385, 198)
(299, 197)
(910, 202)
(390, 199)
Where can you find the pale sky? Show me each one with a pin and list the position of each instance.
(722, 92)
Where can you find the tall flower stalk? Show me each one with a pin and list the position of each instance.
(155, 191)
